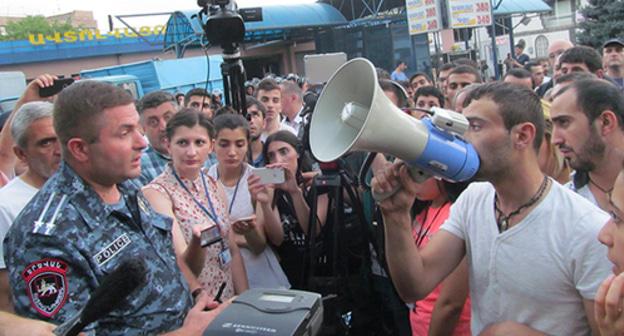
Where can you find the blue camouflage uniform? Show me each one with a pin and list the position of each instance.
(66, 240)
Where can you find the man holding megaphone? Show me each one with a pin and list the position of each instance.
(535, 263)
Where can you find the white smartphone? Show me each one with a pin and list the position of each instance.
(270, 175)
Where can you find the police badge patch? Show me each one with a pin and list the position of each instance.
(46, 285)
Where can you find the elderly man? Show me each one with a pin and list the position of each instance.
(155, 109)
(35, 145)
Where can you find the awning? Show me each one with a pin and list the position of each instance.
(510, 7)
(279, 22)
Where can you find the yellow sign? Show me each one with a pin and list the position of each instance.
(469, 13)
(73, 36)
(423, 16)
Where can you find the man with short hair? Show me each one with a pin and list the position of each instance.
(459, 78)
(399, 72)
(443, 73)
(588, 128)
(428, 96)
(581, 58)
(200, 100)
(519, 76)
(88, 219)
(565, 80)
(419, 80)
(155, 109)
(555, 49)
(292, 105)
(269, 93)
(217, 96)
(520, 57)
(613, 60)
(531, 243)
(543, 61)
(537, 73)
(255, 115)
(35, 145)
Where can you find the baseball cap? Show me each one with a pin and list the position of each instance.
(613, 41)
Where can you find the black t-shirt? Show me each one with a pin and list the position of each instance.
(292, 250)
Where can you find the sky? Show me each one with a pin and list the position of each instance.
(102, 8)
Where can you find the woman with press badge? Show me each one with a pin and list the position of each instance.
(201, 227)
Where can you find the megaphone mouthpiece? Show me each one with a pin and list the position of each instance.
(354, 115)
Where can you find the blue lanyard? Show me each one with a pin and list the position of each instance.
(212, 214)
(235, 189)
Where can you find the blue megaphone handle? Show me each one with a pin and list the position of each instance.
(447, 155)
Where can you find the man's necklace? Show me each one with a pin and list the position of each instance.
(502, 220)
(605, 191)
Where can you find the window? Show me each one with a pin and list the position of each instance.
(541, 46)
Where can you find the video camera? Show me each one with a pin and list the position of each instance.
(224, 25)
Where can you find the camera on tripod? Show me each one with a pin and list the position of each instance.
(224, 25)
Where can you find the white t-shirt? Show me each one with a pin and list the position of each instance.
(539, 271)
(583, 191)
(296, 123)
(263, 270)
(13, 198)
(283, 127)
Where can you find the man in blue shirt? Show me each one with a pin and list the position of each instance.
(399, 72)
(155, 109)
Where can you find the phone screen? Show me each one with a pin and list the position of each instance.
(210, 236)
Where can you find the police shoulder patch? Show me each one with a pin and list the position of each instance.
(46, 285)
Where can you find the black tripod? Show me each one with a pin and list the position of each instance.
(338, 262)
(234, 78)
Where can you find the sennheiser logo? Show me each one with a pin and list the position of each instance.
(248, 329)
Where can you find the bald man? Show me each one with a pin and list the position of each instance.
(555, 49)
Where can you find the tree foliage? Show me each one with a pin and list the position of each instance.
(20, 29)
(603, 20)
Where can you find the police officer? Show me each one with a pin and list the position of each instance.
(89, 217)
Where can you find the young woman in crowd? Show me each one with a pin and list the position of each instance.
(232, 171)
(197, 202)
(446, 311)
(282, 209)
(609, 302)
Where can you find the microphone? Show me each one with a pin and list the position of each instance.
(111, 293)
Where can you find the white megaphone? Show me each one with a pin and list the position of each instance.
(353, 113)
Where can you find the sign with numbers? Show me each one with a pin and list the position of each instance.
(469, 13)
(423, 16)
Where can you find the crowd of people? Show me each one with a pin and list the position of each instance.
(533, 245)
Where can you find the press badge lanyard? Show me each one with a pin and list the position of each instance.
(212, 214)
(235, 189)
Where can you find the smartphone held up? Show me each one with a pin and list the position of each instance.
(270, 175)
(58, 86)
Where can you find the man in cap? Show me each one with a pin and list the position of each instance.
(613, 60)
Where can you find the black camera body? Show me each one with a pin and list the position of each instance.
(224, 26)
